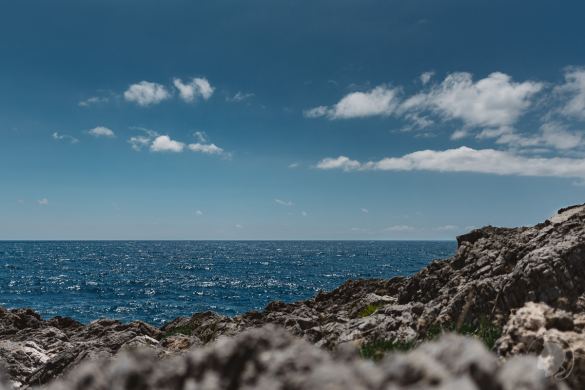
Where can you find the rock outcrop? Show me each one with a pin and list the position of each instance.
(494, 276)
(556, 335)
(270, 358)
(494, 271)
(34, 351)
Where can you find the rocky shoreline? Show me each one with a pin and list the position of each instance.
(519, 290)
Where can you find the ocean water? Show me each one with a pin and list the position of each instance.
(156, 281)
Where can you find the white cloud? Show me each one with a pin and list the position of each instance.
(101, 131)
(286, 203)
(557, 136)
(340, 162)
(550, 135)
(573, 90)
(43, 202)
(464, 159)
(459, 134)
(381, 100)
(304, 213)
(426, 77)
(294, 165)
(146, 93)
(64, 137)
(417, 121)
(163, 143)
(238, 226)
(199, 212)
(140, 141)
(492, 101)
(240, 97)
(316, 112)
(194, 89)
(92, 101)
(365, 211)
(206, 148)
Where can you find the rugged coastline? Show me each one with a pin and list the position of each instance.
(518, 290)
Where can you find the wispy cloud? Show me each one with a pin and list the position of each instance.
(446, 228)
(139, 142)
(426, 77)
(365, 211)
(64, 137)
(201, 136)
(239, 97)
(146, 93)
(43, 202)
(91, 101)
(465, 159)
(286, 203)
(572, 92)
(399, 228)
(206, 148)
(552, 134)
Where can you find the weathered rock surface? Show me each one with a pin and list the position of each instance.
(34, 351)
(558, 336)
(493, 275)
(494, 271)
(270, 358)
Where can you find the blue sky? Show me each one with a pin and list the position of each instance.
(412, 119)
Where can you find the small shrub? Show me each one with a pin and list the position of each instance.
(186, 330)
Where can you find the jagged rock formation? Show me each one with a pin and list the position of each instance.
(34, 351)
(494, 273)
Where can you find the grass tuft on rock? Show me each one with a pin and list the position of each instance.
(369, 310)
(485, 331)
(186, 330)
(377, 349)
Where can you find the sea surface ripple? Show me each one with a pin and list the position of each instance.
(156, 281)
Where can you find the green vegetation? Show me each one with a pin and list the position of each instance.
(485, 331)
(185, 330)
(377, 349)
(369, 310)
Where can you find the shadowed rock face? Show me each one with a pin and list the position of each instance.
(495, 272)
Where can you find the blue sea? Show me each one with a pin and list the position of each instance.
(156, 281)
